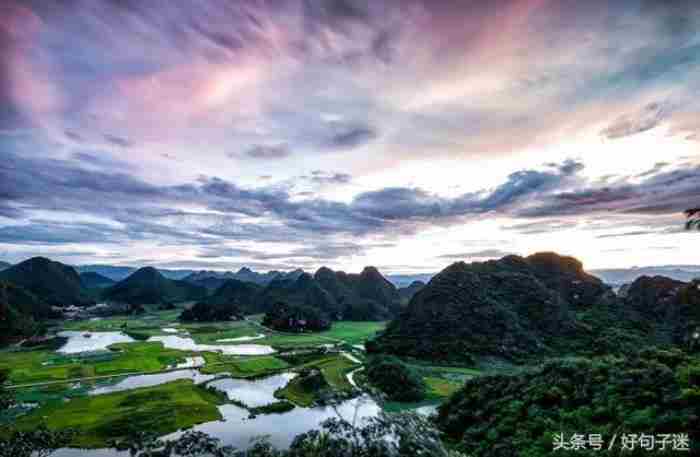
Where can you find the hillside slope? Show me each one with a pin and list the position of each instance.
(95, 280)
(52, 282)
(148, 286)
(511, 308)
(364, 296)
(652, 392)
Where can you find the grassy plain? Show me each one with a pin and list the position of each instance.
(354, 332)
(334, 369)
(100, 418)
(242, 367)
(27, 366)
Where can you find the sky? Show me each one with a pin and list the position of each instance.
(401, 134)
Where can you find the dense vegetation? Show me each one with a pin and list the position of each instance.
(292, 318)
(52, 282)
(148, 286)
(407, 293)
(395, 379)
(651, 392)
(516, 309)
(303, 291)
(367, 296)
(364, 296)
(232, 298)
(93, 280)
(204, 312)
(20, 313)
(666, 309)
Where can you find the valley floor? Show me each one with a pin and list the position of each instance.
(169, 375)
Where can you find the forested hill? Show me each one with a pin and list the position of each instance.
(518, 308)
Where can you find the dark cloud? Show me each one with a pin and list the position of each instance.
(665, 192)
(220, 208)
(117, 140)
(627, 234)
(268, 152)
(44, 232)
(647, 118)
(483, 254)
(658, 166)
(351, 136)
(323, 178)
(75, 136)
(541, 226)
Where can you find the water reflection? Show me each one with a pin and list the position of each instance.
(148, 380)
(188, 344)
(241, 338)
(238, 430)
(253, 393)
(91, 341)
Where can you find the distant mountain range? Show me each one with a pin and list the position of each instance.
(53, 282)
(117, 273)
(245, 274)
(407, 280)
(93, 280)
(620, 276)
(332, 294)
(214, 279)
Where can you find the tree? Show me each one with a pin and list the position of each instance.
(693, 216)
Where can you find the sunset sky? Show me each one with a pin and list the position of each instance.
(406, 135)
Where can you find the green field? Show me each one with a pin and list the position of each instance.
(180, 404)
(242, 367)
(151, 320)
(295, 393)
(334, 369)
(26, 367)
(161, 409)
(349, 332)
(353, 332)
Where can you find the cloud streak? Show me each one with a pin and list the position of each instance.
(308, 129)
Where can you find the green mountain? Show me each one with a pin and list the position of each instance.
(148, 286)
(303, 291)
(20, 312)
(93, 280)
(666, 309)
(52, 282)
(296, 318)
(364, 296)
(407, 293)
(513, 308)
(233, 298)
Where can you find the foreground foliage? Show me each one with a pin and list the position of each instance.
(652, 392)
(394, 378)
(411, 436)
